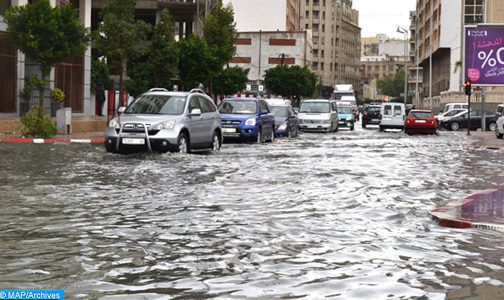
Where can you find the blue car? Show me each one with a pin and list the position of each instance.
(247, 119)
(346, 117)
(286, 121)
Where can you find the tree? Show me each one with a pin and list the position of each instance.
(163, 57)
(231, 80)
(46, 35)
(292, 82)
(99, 74)
(119, 36)
(220, 34)
(195, 62)
(141, 77)
(392, 86)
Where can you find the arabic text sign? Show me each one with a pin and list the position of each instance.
(484, 55)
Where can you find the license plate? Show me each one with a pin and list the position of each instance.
(341, 122)
(420, 121)
(229, 130)
(130, 141)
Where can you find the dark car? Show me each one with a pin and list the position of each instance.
(286, 121)
(371, 115)
(462, 121)
(247, 118)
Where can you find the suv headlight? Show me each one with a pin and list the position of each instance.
(283, 126)
(114, 123)
(163, 125)
(250, 122)
(327, 122)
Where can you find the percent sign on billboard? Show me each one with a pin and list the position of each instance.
(484, 55)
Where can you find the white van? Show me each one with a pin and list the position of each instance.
(318, 115)
(450, 106)
(392, 115)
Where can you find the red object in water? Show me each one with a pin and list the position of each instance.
(111, 103)
(420, 121)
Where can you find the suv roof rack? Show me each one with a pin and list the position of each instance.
(158, 90)
(197, 91)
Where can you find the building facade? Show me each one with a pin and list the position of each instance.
(72, 76)
(415, 72)
(336, 41)
(260, 51)
(265, 15)
(439, 30)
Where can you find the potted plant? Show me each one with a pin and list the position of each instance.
(57, 97)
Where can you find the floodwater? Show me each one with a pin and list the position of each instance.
(333, 216)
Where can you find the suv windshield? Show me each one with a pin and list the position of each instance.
(279, 111)
(314, 107)
(238, 107)
(157, 104)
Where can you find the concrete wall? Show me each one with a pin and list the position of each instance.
(451, 30)
(261, 51)
(265, 15)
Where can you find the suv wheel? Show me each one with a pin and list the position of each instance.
(216, 142)
(454, 126)
(492, 126)
(183, 143)
(272, 136)
(259, 136)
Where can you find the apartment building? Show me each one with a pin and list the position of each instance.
(415, 72)
(262, 50)
(439, 38)
(72, 76)
(336, 41)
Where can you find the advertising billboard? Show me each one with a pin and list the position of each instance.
(484, 55)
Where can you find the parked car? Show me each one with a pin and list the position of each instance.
(461, 121)
(451, 113)
(166, 121)
(451, 106)
(318, 115)
(247, 119)
(499, 111)
(286, 121)
(499, 129)
(371, 115)
(392, 115)
(346, 117)
(420, 121)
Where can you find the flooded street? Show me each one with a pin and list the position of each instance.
(338, 216)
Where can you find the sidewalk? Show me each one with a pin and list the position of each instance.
(484, 140)
(84, 130)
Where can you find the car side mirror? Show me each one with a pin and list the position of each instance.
(121, 110)
(195, 112)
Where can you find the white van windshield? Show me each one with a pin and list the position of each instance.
(314, 107)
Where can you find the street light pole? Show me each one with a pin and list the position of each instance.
(405, 32)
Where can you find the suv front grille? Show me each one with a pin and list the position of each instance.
(231, 122)
(137, 128)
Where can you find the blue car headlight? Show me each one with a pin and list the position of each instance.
(250, 122)
(282, 127)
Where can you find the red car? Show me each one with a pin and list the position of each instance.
(420, 121)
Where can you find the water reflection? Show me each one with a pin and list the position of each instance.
(343, 216)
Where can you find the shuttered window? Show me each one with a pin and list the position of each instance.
(8, 63)
(70, 79)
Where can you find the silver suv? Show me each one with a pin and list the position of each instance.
(159, 120)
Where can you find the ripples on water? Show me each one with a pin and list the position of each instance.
(342, 216)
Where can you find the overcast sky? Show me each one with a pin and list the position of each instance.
(375, 16)
(383, 16)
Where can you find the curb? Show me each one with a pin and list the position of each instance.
(481, 210)
(52, 141)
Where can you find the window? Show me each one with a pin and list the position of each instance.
(4, 5)
(194, 104)
(397, 110)
(205, 105)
